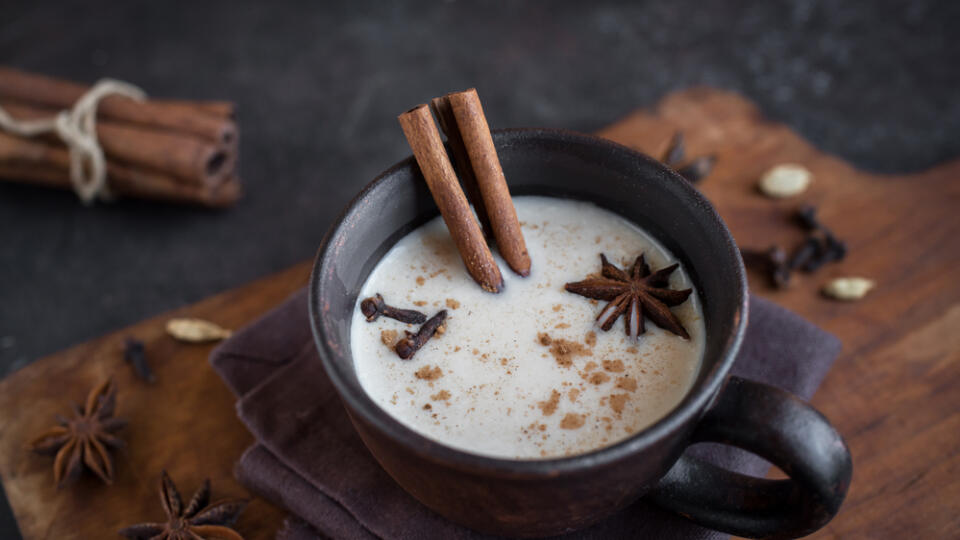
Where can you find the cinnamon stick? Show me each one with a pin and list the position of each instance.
(473, 128)
(40, 163)
(424, 139)
(448, 123)
(219, 109)
(187, 157)
(56, 93)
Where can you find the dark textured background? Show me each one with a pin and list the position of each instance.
(319, 87)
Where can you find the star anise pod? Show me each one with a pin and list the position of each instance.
(634, 295)
(197, 521)
(85, 439)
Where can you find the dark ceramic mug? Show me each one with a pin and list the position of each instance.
(543, 497)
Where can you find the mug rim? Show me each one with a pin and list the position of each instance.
(357, 401)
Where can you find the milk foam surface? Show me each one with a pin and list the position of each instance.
(525, 374)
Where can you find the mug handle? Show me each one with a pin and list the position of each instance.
(781, 428)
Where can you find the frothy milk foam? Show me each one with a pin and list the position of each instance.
(525, 374)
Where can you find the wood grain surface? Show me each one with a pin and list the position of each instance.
(894, 393)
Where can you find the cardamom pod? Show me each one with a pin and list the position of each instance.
(848, 288)
(785, 180)
(196, 330)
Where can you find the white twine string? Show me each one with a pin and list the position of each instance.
(77, 128)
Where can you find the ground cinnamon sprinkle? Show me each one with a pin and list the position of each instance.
(618, 402)
(632, 350)
(420, 303)
(563, 350)
(420, 280)
(615, 366)
(388, 338)
(452, 304)
(627, 383)
(550, 406)
(572, 421)
(428, 373)
(574, 394)
(442, 395)
(598, 377)
(591, 338)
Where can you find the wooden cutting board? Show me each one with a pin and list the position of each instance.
(893, 393)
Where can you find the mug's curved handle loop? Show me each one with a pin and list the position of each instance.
(781, 428)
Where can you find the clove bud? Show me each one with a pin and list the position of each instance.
(135, 353)
(817, 250)
(697, 169)
(829, 249)
(409, 345)
(373, 307)
(807, 254)
(772, 261)
(807, 216)
(675, 150)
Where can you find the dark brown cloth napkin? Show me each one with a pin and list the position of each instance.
(309, 460)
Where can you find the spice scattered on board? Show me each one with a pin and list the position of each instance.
(84, 440)
(848, 288)
(199, 519)
(820, 247)
(694, 170)
(785, 180)
(196, 330)
(772, 262)
(136, 355)
(698, 168)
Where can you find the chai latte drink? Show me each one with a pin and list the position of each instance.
(526, 373)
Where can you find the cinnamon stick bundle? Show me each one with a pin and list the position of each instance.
(170, 150)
